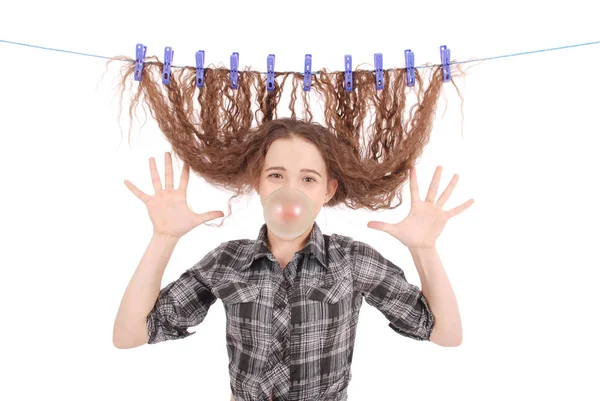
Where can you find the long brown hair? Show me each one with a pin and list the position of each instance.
(369, 138)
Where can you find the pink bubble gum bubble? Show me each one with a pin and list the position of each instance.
(288, 213)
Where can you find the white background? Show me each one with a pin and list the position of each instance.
(522, 260)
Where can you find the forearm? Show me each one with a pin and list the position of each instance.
(142, 292)
(440, 297)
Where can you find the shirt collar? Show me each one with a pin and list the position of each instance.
(314, 245)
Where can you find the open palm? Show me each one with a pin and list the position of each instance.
(168, 208)
(426, 219)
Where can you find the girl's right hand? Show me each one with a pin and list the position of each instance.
(168, 208)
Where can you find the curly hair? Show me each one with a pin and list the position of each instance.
(369, 139)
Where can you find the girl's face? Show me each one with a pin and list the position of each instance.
(296, 163)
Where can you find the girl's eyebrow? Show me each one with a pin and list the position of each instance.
(304, 170)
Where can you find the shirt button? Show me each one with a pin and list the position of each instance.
(282, 302)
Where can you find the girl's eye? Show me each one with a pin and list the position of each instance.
(271, 175)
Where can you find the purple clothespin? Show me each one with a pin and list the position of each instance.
(379, 70)
(348, 73)
(445, 56)
(307, 72)
(200, 68)
(140, 56)
(409, 57)
(166, 79)
(271, 72)
(233, 70)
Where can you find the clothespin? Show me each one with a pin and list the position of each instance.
(379, 70)
(166, 79)
(233, 73)
(445, 56)
(140, 56)
(307, 72)
(200, 68)
(409, 57)
(271, 72)
(348, 73)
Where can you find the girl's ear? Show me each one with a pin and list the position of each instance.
(331, 188)
(256, 185)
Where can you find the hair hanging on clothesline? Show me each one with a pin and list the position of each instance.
(369, 138)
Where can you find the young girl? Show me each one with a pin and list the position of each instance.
(292, 306)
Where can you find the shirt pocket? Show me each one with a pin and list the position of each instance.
(234, 292)
(327, 307)
(330, 293)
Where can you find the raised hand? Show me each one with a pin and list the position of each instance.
(168, 208)
(426, 219)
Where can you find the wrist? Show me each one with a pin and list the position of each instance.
(423, 250)
(164, 237)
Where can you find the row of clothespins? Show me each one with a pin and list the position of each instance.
(234, 64)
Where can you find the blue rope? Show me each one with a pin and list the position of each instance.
(316, 72)
(529, 52)
(55, 50)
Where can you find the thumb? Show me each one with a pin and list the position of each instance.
(379, 225)
(203, 217)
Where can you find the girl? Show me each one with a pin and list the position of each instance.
(292, 306)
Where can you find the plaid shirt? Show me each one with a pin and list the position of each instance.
(290, 332)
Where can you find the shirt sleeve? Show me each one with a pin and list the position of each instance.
(183, 303)
(384, 286)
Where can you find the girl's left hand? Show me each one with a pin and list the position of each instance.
(426, 220)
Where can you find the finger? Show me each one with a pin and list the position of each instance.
(203, 217)
(448, 191)
(139, 194)
(460, 208)
(380, 225)
(414, 186)
(185, 177)
(434, 186)
(168, 171)
(155, 177)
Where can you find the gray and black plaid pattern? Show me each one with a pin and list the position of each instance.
(290, 332)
